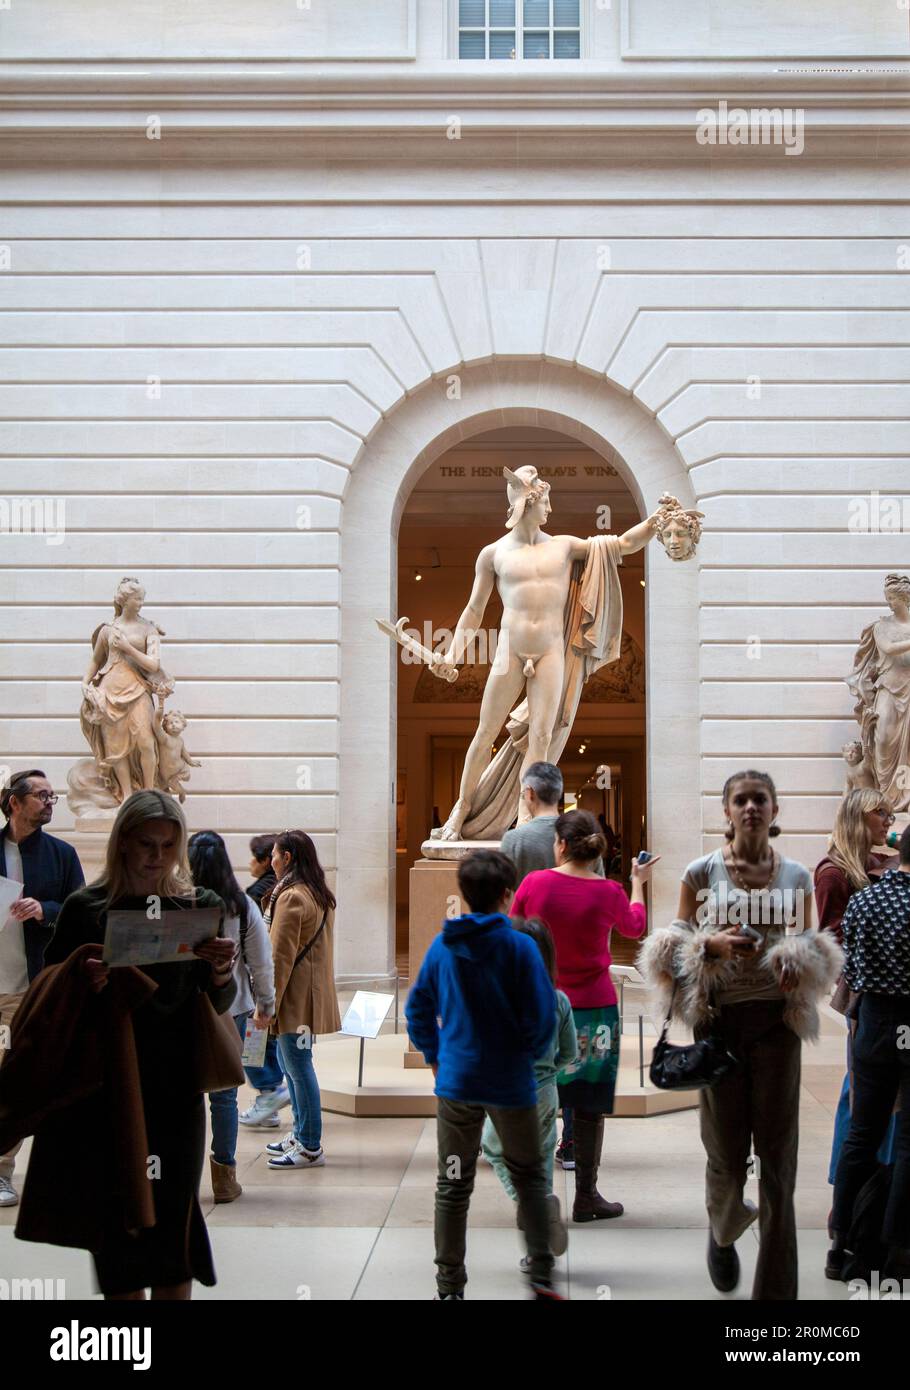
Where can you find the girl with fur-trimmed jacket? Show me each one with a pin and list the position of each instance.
(744, 959)
(675, 956)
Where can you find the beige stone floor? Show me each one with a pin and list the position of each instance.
(361, 1227)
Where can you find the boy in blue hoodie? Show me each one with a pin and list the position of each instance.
(481, 1011)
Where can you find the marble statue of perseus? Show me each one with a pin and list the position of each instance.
(562, 620)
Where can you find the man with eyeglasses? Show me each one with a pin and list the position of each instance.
(49, 870)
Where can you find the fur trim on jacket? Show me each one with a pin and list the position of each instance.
(677, 954)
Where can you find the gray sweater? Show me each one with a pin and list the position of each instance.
(530, 847)
(254, 964)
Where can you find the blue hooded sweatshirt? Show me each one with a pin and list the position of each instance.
(483, 1008)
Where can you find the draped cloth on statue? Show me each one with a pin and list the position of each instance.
(592, 633)
(881, 683)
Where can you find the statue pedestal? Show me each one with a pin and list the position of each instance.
(432, 883)
(386, 1092)
(96, 822)
(90, 841)
(452, 849)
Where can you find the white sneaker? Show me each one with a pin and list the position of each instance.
(281, 1146)
(9, 1197)
(299, 1157)
(257, 1117)
(271, 1101)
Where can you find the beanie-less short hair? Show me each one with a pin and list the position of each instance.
(545, 779)
(484, 878)
(19, 786)
(261, 847)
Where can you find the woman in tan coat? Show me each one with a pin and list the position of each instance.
(301, 914)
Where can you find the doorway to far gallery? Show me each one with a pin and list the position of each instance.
(456, 507)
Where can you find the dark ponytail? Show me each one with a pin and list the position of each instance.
(583, 837)
(210, 866)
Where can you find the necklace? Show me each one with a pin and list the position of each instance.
(737, 876)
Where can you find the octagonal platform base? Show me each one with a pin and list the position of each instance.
(391, 1089)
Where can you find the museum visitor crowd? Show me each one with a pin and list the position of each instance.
(514, 1008)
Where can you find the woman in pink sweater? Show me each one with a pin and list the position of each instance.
(581, 909)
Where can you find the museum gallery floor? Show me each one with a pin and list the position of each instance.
(362, 1227)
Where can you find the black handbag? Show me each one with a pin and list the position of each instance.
(693, 1067)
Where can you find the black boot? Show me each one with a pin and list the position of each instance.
(589, 1138)
(723, 1265)
(834, 1261)
(897, 1263)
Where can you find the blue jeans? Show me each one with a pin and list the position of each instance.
(297, 1061)
(269, 1076)
(223, 1107)
(842, 1129)
(881, 1075)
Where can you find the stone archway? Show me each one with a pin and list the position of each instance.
(422, 427)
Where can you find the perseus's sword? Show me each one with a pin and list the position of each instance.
(410, 644)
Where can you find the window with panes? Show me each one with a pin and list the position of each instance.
(519, 28)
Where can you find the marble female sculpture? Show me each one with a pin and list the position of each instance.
(881, 682)
(134, 747)
(562, 620)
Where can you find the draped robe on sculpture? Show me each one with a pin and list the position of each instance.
(881, 683)
(592, 634)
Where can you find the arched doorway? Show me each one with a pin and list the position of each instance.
(455, 508)
(502, 395)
